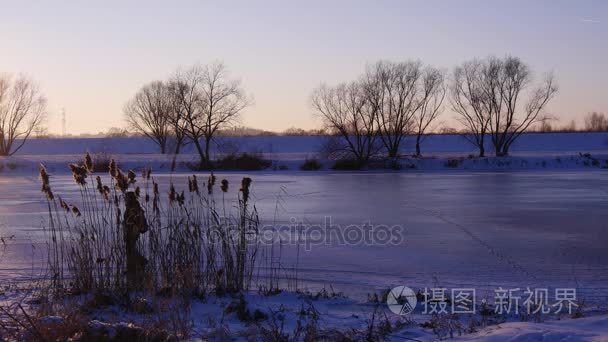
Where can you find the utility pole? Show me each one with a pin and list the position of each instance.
(63, 129)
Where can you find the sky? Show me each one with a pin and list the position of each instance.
(91, 57)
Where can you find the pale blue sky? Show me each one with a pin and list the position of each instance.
(91, 58)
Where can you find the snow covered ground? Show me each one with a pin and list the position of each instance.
(533, 143)
(584, 329)
(331, 318)
(442, 152)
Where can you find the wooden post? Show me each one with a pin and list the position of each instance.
(134, 224)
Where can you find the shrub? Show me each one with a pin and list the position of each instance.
(311, 164)
(243, 162)
(11, 165)
(347, 164)
(384, 163)
(589, 159)
(452, 163)
(100, 161)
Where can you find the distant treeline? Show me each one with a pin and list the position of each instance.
(593, 122)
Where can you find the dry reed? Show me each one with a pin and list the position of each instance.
(192, 245)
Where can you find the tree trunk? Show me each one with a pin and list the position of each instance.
(199, 149)
(505, 149)
(497, 150)
(418, 154)
(393, 152)
(207, 150)
(178, 145)
(207, 156)
(3, 149)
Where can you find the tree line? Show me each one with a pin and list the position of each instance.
(495, 99)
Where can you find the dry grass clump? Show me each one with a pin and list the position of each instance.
(347, 165)
(98, 162)
(72, 321)
(9, 165)
(243, 162)
(123, 236)
(235, 161)
(123, 239)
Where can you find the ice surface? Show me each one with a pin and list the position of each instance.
(482, 230)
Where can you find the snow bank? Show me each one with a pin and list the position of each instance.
(286, 162)
(289, 314)
(593, 328)
(432, 144)
(444, 152)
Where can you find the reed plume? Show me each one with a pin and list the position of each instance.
(88, 163)
(79, 173)
(46, 186)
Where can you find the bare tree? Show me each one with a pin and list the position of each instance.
(469, 102)
(569, 127)
(596, 122)
(149, 113)
(41, 131)
(22, 109)
(393, 91)
(208, 101)
(115, 132)
(223, 99)
(491, 96)
(505, 83)
(347, 112)
(430, 103)
(545, 126)
(185, 88)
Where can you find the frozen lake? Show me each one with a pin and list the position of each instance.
(461, 229)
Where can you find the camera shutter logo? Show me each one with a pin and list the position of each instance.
(401, 300)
